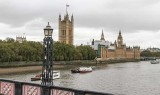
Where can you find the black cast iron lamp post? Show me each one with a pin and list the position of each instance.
(48, 31)
(47, 68)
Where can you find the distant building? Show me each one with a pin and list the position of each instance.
(20, 39)
(118, 50)
(66, 29)
(102, 41)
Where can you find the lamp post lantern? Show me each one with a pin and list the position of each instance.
(47, 68)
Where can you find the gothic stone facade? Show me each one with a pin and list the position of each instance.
(20, 39)
(120, 50)
(66, 29)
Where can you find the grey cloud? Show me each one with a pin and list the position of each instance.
(128, 15)
(131, 4)
(18, 12)
(130, 19)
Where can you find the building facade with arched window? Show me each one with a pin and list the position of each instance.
(66, 29)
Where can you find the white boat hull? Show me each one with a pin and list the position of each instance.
(155, 61)
(82, 70)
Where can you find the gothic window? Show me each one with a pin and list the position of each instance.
(64, 32)
(70, 32)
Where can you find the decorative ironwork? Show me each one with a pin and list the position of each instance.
(47, 69)
(11, 87)
(61, 92)
(7, 88)
(31, 90)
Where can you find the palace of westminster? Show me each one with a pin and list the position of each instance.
(104, 49)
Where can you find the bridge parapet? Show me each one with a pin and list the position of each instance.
(10, 87)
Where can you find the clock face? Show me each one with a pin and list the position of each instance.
(119, 40)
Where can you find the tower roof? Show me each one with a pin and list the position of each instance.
(120, 35)
(102, 36)
(48, 27)
(119, 32)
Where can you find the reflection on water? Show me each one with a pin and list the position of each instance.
(139, 78)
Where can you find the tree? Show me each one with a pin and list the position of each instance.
(32, 51)
(10, 40)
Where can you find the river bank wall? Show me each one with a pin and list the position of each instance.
(23, 67)
(74, 62)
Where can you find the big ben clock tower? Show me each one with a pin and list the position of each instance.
(120, 39)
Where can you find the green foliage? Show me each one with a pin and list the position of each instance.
(63, 52)
(10, 40)
(86, 52)
(11, 51)
(150, 54)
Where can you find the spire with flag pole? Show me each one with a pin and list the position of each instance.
(66, 8)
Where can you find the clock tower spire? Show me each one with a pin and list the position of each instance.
(120, 39)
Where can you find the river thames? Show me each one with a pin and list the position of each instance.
(131, 78)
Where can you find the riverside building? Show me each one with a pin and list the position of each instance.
(118, 50)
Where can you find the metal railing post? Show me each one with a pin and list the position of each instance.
(18, 88)
(79, 92)
(46, 90)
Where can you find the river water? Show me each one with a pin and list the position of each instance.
(131, 78)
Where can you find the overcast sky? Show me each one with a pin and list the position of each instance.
(139, 20)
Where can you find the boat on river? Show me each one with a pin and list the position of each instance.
(82, 70)
(155, 61)
(38, 77)
(75, 71)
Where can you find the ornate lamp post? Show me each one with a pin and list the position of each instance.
(47, 68)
